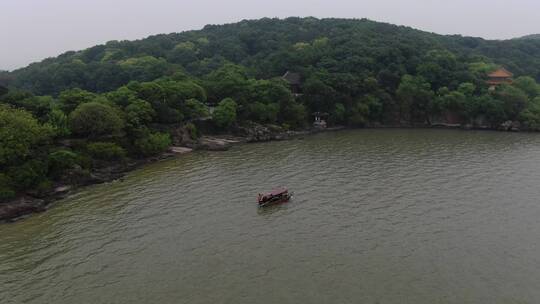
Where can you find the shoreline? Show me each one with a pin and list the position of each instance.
(27, 205)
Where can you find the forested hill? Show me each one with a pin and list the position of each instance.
(268, 48)
(82, 112)
(533, 36)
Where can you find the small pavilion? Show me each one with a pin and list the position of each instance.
(320, 120)
(498, 77)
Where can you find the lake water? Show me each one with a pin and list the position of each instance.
(378, 216)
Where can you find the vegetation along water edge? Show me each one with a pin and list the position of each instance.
(89, 116)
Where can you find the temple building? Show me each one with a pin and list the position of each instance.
(498, 77)
(295, 82)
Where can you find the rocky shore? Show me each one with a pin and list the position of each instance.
(34, 202)
(31, 203)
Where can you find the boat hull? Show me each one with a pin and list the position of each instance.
(276, 201)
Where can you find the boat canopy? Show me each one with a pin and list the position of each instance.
(277, 191)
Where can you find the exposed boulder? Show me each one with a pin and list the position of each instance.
(59, 190)
(21, 207)
(259, 133)
(180, 150)
(181, 137)
(215, 144)
(514, 126)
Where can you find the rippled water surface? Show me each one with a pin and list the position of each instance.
(379, 216)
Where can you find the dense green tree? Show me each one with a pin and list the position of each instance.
(195, 109)
(94, 119)
(122, 97)
(168, 97)
(467, 89)
(528, 85)
(14, 97)
(416, 99)
(513, 99)
(177, 92)
(59, 123)
(152, 92)
(229, 81)
(225, 113)
(105, 151)
(60, 161)
(453, 101)
(374, 106)
(442, 68)
(318, 95)
(145, 68)
(139, 113)
(266, 91)
(71, 99)
(493, 109)
(293, 114)
(481, 68)
(263, 113)
(183, 53)
(152, 143)
(338, 114)
(28, 175)
(358, 115)
(20, 135)
(531, 115)
(39, 106)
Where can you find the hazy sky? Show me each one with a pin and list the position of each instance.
(31, 30)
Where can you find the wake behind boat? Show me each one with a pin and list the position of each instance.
(276, 196)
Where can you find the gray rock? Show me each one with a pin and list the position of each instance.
(505, 126)
(21, 207)
(516, 126)
(180, 150)
(62, 189)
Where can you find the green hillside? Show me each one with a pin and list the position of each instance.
(268, 48)
(65, 117)
(533, 36)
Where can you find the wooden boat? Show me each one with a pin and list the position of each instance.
(276, 196)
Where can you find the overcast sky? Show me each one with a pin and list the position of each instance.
(31, 30)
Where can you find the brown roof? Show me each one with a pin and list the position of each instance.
(501, 73)
(276, 191)
(292, 78)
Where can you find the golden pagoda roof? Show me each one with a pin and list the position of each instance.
(501, 73)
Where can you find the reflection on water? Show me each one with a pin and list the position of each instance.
(378, 216)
